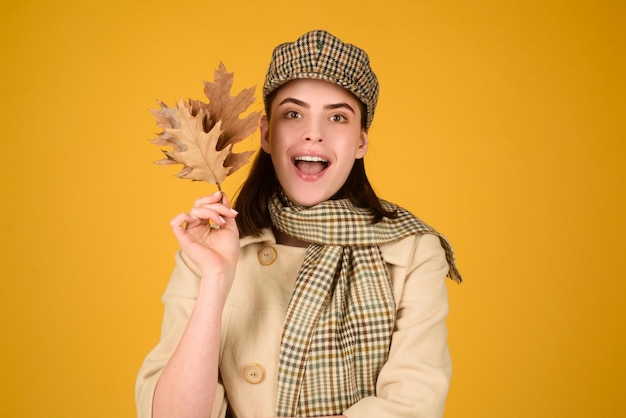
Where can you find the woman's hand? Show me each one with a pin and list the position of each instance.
(208, 234)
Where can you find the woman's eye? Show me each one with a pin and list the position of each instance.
(292, 114)
(338, 118)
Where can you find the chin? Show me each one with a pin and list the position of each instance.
(307, 199)
(307, 202)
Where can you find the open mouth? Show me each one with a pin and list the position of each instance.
(310, 165)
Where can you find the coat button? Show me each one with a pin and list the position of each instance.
(267, 255)
(253, 373)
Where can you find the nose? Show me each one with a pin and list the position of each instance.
(314, 131)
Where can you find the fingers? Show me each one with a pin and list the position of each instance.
(179, 225)
(215, 208)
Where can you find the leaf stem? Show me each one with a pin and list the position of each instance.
(219, 188)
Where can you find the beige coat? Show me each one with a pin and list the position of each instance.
(413, 383)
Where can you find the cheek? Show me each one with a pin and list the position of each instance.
(347, 157)
(275, 138)
(351, 149)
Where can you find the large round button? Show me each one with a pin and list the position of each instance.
(253, 373)
(267, 255)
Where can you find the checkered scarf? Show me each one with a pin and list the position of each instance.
(342, 312)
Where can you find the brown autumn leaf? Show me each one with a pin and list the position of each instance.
(201, 134)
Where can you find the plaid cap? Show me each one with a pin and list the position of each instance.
(320, 55)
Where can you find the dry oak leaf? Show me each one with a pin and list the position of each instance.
(201, 135)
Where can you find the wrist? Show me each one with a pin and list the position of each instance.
(214, 288)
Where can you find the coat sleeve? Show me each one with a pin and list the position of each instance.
(178, 300)
(415, 380)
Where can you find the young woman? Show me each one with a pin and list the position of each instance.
(311, 297)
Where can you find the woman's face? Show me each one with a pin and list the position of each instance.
(314, 136)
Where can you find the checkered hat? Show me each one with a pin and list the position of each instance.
(320, 55)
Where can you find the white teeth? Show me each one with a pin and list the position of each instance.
(311, 159)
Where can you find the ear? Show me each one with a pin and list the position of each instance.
(363, 144)
(265, 134)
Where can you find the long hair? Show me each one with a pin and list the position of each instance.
(254, 195)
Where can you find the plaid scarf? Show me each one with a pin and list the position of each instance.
(342, 312)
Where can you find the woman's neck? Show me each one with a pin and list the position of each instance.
(284, 239)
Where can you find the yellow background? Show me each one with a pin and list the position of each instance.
(500, 122)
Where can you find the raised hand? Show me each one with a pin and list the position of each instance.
(208, 234)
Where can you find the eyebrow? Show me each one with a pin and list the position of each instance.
(306, 105)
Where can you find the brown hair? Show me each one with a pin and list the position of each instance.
(253, 196)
